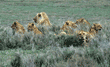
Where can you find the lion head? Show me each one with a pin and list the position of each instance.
(84, 35)
(68, 25)
(36, 18)
(32, 27)
(79, 20)
(82, 20)
(95, 28)
(16, 26)
(71, 24)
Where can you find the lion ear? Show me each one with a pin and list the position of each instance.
(94, 24)
(32, 24)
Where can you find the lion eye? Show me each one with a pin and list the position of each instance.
(39, 15)
(79, 34)
(67, 23)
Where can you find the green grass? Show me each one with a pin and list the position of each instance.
(11, 11)
(53, 52)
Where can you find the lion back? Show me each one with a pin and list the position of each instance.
(36, 30)
(46, 19)
(44, 15)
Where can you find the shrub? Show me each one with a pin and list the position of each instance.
(95, 54)
(17, 61)
(66, 40)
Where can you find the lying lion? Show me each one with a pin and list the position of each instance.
(42, 19)
(17, 27)
(67, 26)
(32, 27)
(83, 21)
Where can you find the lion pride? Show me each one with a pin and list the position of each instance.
(92, 32)
(32, 27)
(67, 25)
(42, 19)
(17, 27)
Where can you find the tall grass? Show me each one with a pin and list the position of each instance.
(57, 49)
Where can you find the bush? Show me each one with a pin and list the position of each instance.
(95, 54)
(77, 60)
(81, 61)
(17, 61)
(66, 40)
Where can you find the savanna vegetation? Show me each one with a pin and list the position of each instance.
(50, 50)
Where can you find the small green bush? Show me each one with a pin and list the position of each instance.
(66, 40)
(17, 61)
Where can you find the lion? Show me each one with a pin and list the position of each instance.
(67, 25)
(82, 20)
(91, 33)
(42, 18)
(17, 27)
(84, 35)
(32, 27)
(95, 28)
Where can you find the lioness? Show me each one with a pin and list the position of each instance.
(67, 25)
(95, 28)
(17, 27)
(42, 18)
(32, 27)
(82, 20)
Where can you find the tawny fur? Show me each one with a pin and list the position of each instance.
(42, 19)
(62, 33)
(95, 28)
(32, 27)
(17, 27)
(67, 25)
(83, 21)
(92, 32)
